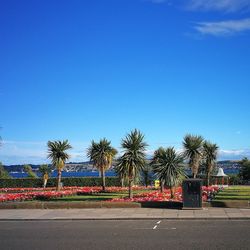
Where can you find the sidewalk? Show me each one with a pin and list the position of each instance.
(124, 214)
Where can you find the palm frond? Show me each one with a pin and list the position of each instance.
(169, 166)
(101, 153)
(133, 159)
(57, 152)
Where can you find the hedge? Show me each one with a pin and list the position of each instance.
(52, 182)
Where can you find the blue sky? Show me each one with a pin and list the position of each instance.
(88, 69)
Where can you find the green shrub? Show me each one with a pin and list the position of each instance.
(234, 179)
(71, 181)
(3, 173)
(245, 170)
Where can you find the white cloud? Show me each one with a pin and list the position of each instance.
(220, 5)
(33, 152)
(233, 154)
(224, 154)
(223, 28)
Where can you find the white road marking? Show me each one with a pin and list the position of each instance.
(158, 222)
(173, 228)
(155, 227)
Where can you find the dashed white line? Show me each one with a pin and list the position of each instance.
(158, 222)
(155, 227)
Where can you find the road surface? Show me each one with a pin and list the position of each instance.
(125, 234)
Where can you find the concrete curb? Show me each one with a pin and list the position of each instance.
(134, 218)
(96, 204)
(86, 204)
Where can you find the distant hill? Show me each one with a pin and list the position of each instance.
(71, 166)
(85, 166)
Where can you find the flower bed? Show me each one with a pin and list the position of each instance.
(23, 194)
(153, 196)
(21, 190)
(83, 189)
(208, 193)
(46, 195)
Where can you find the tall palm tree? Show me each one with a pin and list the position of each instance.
(210, 152)
(58, 155)
(169, 168)
(157, 156)
(121, 174)
(193, 151)
(146, 173)
(133, 159)
(102, 155)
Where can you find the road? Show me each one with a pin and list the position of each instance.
(126, 234)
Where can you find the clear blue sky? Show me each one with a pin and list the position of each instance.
(87, 69)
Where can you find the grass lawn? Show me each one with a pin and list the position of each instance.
(98, 196)
(94, 197)
(237, 193)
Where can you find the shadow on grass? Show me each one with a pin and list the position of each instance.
(233, 195)
(232, 198)
(162, 204)
(82, 199)
(230, 203)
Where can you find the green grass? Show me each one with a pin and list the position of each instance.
(84, 198)
(98, 196)
(234, 193)
(93, 197)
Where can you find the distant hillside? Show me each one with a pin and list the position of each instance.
(71, 166)
(85, 166)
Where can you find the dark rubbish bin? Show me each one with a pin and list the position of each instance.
(192, 193)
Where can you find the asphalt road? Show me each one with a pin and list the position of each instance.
(129, 234)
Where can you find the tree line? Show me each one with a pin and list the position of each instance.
(167, 163)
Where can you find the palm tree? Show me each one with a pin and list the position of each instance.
(29, 171)
(169, 168)
(102, 155)
(58, 155)
(133, 159)
(44, 169)
(146, 173)
(210, 152)
(157, 156)
(121, 174)
(193, 151)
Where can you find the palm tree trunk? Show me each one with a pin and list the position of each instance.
(172, 192)
(195, 167)
(208, 181)
(59, 179)
(103, 178)
(209, 170)
(146, 180)
(130, 188)
(161, 186)
(122, 181)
